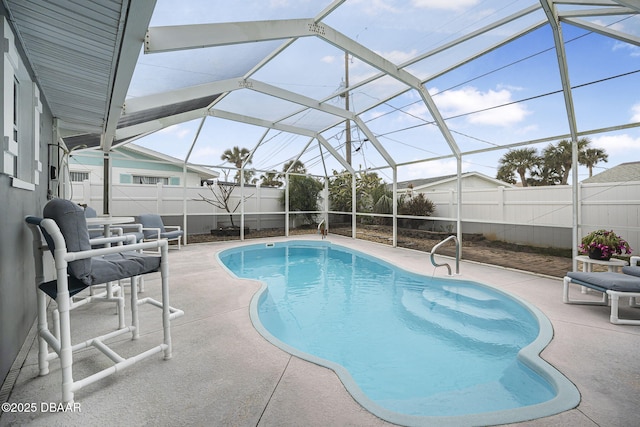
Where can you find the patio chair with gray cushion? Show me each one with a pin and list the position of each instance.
(127, 229)
(612, 285)
(78, 267)
(154, 229)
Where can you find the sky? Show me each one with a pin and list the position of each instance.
(604, 73)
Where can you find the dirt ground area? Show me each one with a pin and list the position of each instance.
(545, 261)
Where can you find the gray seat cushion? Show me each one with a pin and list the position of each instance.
(108, 268)
(121, 266)
(606, 281)
(171, 234)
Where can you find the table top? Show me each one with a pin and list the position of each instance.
(612, 261)
(110, 220)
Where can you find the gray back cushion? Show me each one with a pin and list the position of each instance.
(151, 221)
(73, 225)
(89, 212)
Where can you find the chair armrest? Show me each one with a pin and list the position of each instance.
(172, 227)
(154, 244)
(119, 238)
(634, 261)
(127, 228)
(155, 230)
(52, 228)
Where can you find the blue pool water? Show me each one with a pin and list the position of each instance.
(402, 343)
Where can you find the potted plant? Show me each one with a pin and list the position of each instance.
(601, 244)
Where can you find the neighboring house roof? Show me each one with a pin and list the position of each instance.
(134, 152)
(438, 180)
(202, 171)
(622, 173)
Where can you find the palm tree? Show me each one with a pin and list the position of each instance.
(237, 156)
(506, 174)
(296, 166)
(520, 161)
(270, 179)
(559, 157)
(593, 156)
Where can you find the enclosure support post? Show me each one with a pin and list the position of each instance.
(242, 203)
(395, 206)
(353, 205)
(459, 208)
(286, 204)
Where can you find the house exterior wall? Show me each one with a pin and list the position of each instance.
(122, 170)
(22, 192)
(469, 182)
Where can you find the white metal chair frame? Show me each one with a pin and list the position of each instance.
(60, 339)
(608, 295)
(157, 233)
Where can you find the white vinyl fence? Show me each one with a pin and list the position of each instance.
(540, 216)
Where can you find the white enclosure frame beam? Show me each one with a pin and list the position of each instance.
(554, 21)
(136, 19)
(605, 31)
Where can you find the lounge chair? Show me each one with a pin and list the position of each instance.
(612, 285)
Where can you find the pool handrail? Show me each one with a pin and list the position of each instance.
(435, 248)
(322, 230)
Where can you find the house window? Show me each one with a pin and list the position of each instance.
(20, 152)
(79, 176)
(139, 179)
(16, 109)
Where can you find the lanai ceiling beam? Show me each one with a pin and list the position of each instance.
(282, 127)
(165, 39)
(609, 11)
(157, 124)
(148, 102)
(327, 108)
(631, 4)
(605, 31)
(341, 41)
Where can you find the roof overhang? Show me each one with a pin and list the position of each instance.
(83, 56)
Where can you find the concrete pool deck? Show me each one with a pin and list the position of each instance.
(224, 373)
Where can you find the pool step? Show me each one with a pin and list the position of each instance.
(485, 328)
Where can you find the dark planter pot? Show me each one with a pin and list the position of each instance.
(230, 231)
(596, 253)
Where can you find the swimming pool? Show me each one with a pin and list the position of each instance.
(411, 349)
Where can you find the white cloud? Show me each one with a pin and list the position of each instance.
(398, 56)
(470, 99)
(636, 113)
(634, 51)
(617, 144)
(176, 131)
(431, 169)
(278, 3)
(618, 26)
(329, 59)
(376, 7)
(206, 155)
(444, 4)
